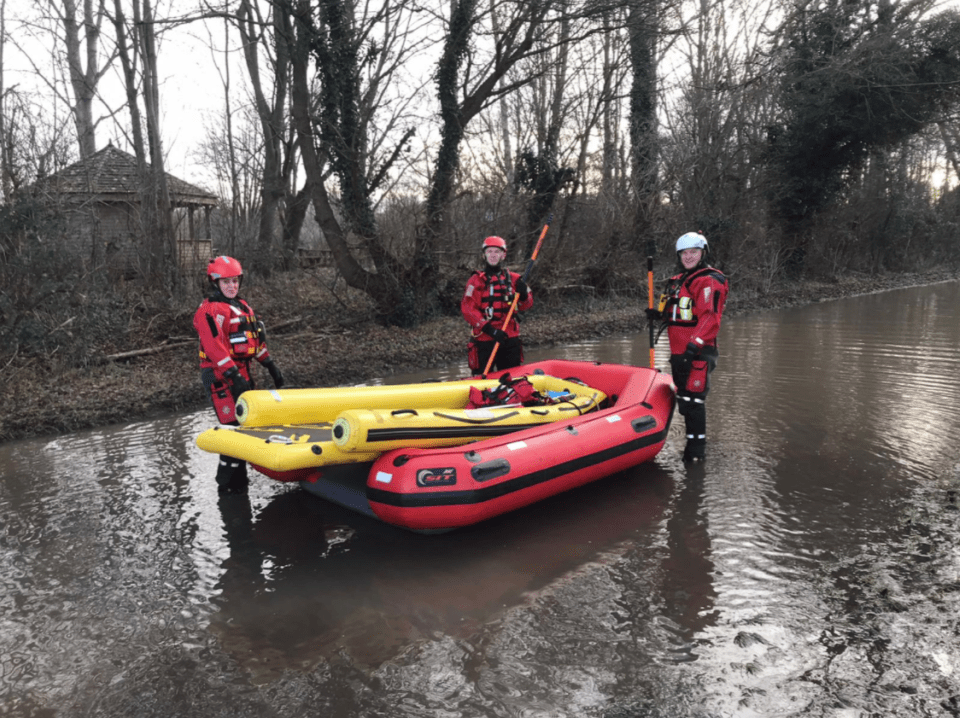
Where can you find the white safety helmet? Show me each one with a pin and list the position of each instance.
(692, 240)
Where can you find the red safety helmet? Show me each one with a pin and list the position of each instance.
(223, 266)
(497, 242)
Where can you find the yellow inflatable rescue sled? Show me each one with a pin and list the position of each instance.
(290, 429)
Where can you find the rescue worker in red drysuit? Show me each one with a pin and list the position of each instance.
(230, 337)
(691, 308)
(485, 305)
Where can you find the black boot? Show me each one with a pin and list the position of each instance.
(696, 421)
(695, 450)
(232, 476)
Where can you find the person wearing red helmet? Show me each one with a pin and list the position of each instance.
(230, 337)
(485, 304)
(691, 309)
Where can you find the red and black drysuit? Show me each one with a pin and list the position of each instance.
(692, 315)
(230, 337)
(485, 304)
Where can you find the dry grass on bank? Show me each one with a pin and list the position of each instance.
(319, 338)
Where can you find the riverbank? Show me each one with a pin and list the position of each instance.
(160, 375)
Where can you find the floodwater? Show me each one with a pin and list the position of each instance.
(810, 568)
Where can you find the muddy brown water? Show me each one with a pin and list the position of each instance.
(810, 568)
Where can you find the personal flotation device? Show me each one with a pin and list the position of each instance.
(488, 298)
(692, 307)
(229, 333)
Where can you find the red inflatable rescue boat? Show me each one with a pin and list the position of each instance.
(438, 489)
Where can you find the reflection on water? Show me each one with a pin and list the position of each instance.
(809, 568)
(310, 572)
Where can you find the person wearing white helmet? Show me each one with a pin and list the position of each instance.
(485, 305)
(691, 309)
(230, 337)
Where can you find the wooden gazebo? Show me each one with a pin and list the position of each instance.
(100, 199)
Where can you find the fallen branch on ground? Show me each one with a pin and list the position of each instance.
(144, 352)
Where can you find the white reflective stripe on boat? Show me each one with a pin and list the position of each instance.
(479, 413)
(517, 445)
(383, 477)
(613, 417)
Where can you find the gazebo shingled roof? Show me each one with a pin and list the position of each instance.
(111, 174)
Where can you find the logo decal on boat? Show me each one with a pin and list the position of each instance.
(437, 477)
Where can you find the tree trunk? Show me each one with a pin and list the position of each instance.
(455, 49)
(293, 222)
(83, 77)
(383, 289)
(643, 111)
(950, 144)
(6, 146)
(271, 114)
(166, 247)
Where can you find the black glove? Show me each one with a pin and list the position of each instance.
(498, 335)
(274, 373)
(654, 315)
(522, 289)
(238, 383)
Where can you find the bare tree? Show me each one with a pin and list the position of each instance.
(473, 72)
(137, 49)
(951, 144)
(643, 23)
(78, 51)
(231, 151)
(716, 127)
(33, 139)
(6, 150)
(337, 137)
(269, 38)
(463, 95)
(83, 55)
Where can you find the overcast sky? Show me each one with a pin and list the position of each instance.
(192, 95)
(191, 87)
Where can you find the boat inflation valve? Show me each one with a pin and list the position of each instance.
(341, 431)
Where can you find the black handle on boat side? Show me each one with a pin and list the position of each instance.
(643, 423)
(490, 469)
(398, 412)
